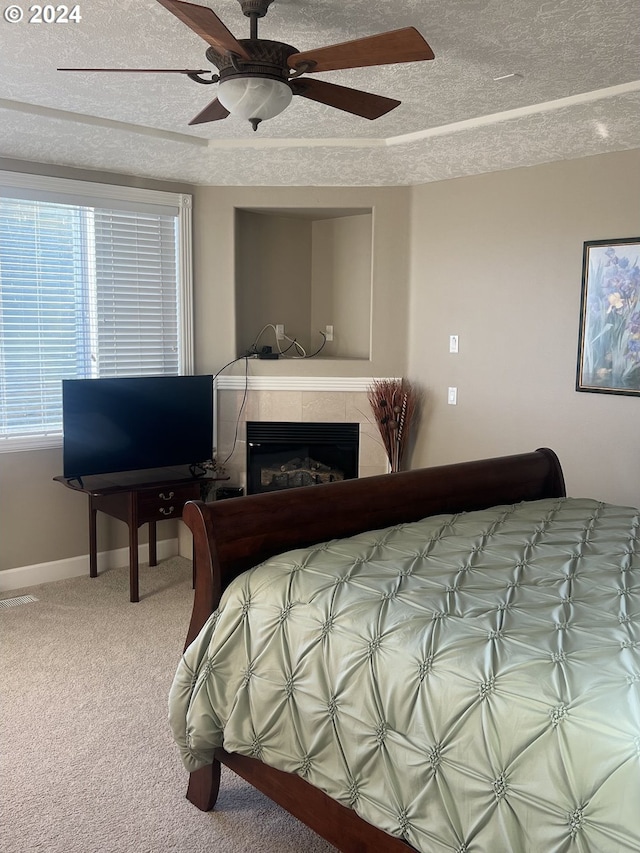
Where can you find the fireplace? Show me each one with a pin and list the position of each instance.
(287, 455)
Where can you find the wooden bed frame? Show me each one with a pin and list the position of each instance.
(231, 536)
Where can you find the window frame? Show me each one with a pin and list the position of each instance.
(74, 191)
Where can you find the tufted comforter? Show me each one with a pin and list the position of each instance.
(467, 682)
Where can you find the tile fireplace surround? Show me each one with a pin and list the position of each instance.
(293, 398)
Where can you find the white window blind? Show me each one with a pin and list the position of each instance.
(86, 290)
(136, 296)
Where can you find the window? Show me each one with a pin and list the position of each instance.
(95, 280)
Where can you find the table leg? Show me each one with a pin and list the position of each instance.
(133, 549)
(153, 552)
(93, 540)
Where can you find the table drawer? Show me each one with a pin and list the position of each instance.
(165, 502)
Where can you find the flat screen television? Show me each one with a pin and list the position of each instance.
(134, 423)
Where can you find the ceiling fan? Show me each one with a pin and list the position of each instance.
(258, 77)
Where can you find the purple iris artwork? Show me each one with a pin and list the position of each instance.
(609, 344)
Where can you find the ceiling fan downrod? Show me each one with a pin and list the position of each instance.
(254, 9)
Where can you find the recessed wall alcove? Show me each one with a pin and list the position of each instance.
(305, 269)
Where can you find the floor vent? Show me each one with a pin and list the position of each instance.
(15, 602)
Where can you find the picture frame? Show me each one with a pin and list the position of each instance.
(609, 337)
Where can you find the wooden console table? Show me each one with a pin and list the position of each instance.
(136, 497)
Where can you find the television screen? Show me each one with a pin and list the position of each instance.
(131, 423)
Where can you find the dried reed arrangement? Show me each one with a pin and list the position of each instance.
(394, 403)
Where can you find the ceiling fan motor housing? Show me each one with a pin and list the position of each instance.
(268, 59)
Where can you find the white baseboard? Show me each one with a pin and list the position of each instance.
(73, 567)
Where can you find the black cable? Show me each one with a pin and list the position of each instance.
(302, 357)
(228, 364)
(242, 405)
(320, 348)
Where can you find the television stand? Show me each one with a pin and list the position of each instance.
(137, 498)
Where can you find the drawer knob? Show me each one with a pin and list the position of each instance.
(166, 497)
(166, 510)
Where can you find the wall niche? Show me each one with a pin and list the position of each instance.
(305, 269)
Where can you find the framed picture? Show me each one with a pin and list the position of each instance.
(609, 343)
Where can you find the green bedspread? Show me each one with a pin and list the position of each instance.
(470, 683)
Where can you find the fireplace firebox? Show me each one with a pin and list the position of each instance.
(287, 455)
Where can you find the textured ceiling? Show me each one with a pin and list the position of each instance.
(578, 93)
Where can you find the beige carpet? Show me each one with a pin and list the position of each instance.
(87, 760)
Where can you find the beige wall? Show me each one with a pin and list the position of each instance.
(497, 260)
(341, 273)
(273, 262)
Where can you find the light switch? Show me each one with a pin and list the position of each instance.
(452, 397)
(453, 343)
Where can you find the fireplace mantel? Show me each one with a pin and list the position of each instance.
(294, 383)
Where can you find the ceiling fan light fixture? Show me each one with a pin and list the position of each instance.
(254, 98)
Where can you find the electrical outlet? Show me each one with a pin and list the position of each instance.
(280, 332)
(328, 332)
(453, 343)
(452, 397)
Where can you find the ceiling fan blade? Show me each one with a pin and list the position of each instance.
(142, 70)
(343, 98)
(206, 24)
(212, 112)
(405, 45)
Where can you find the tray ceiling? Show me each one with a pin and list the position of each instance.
(577, 92)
